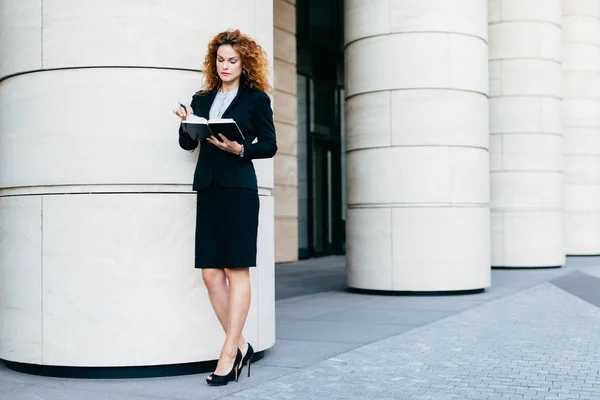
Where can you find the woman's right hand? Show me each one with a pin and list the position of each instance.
(183, 113)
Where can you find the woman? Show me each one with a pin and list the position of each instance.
(236, 79)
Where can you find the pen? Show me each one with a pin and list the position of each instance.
(185, 108)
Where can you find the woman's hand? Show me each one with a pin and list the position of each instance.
(183, 113)
(226, 144)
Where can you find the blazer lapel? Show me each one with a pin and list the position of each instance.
(240, 92)
(207, 101)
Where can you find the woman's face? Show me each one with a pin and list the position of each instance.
(229, 64)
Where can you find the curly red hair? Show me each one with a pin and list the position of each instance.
(254, 61)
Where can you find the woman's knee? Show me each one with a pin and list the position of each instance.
(213, 277)
(234, 274)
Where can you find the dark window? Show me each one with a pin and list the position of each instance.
(320, 60)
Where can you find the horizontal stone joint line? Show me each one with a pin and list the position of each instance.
(586, 42)
(526, 21)
(559, 134)
(533, 96)
(582, 15)
(574, 126)
(417, 205)
(281, 90)
(550, 60)
(592, 99)
(280, 122)
(417, 145)
(116, 67)
(448, 89)
(281, 153)
(550, 171)
(567, 71)
(579, 184)
(43, 190)
(286, 123)
(283, 61)
(284, 30)
(508, 209)
(348, 44)
(95, 193)
(87, 193)
(99, 185)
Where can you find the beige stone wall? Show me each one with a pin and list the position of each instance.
(286, 160)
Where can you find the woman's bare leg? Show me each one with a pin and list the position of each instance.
(239, 304)
(215, 281)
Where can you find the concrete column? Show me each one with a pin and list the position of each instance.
(286, 117)
(417, 145)
(581, 105)
(96, 209)
(526, 139)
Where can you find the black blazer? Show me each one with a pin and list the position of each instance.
(251, 110)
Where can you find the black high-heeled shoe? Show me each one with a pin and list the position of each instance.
(222, 380)
(247, 359)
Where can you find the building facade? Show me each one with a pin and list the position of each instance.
(428, 140)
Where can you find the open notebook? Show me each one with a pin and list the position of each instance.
(200, 128)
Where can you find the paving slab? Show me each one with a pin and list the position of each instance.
(6, 386)
(435, 303)
(280, 321)
(314, 305)
(592, 270)
(310, 276)
(341, 332)
(532, 344)
(42, 392)
(295, 353)
(173, 388)
(376, 316)
(582, 285)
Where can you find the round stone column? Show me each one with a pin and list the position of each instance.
(526, 133)
(581, 105)
(96, 210)
(417, 145)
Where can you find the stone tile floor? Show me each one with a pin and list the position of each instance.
(534, 335)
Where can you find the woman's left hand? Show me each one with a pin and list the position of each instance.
(226, 144)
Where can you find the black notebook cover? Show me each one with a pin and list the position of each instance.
(200, 129)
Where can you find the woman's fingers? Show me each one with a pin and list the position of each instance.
(224, 139)
(226, 144)
(214, 141)
(183, 113)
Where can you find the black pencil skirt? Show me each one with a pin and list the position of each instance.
(226, 227)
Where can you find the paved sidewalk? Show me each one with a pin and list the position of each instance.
(534, 335)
